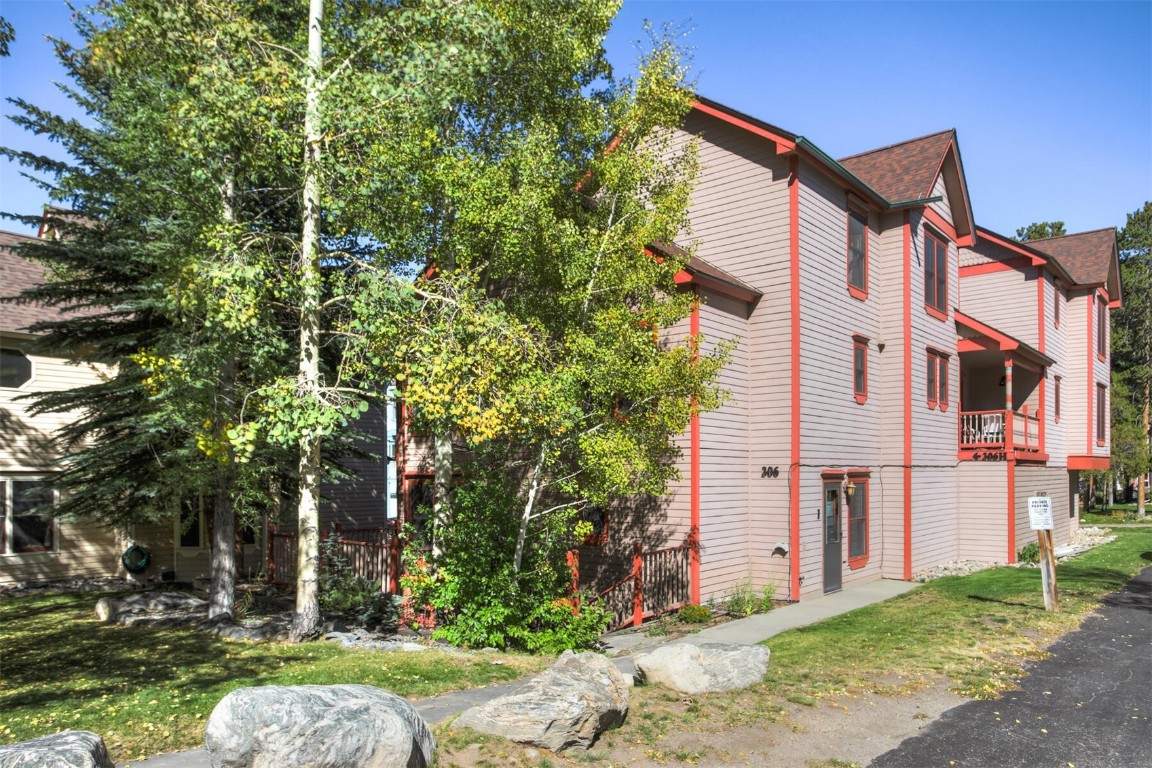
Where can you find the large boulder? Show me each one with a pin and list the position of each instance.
(568, 705)
(148, 606)
(705, 668)
(68, 749)
(308, 726)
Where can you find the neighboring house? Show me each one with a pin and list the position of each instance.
(904, 379)
(34, 548)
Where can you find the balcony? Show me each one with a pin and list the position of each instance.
(1001, 434)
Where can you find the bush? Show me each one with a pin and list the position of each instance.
(742, 599)
(341, 592)
(694, 613)
(1029, 553)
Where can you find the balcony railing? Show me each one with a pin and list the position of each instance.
(1000, 431)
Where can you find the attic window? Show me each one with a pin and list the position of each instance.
(15, 368)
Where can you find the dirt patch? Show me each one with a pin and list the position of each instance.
(750, 728)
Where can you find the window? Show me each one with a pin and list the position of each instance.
(597, 516)
(190, 533)
(860, 368)
(936, 275)
(858, 253)
(1101, 329)
(15, 368)
(1056, 398)
(1101, 413)
(26, 523)
(1056, 305)
(937, 380)
(857, 492)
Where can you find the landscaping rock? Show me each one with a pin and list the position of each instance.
(568, 705)
(69, 749)
(306, 726)
(149, 605)
(705, 668)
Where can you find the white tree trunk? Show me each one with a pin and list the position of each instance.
(442, 485)
(529, 506)
(306, 621)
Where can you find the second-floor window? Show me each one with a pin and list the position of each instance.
(1056, 305)
(860, 368)
(858, 253)
(937, 380)
(1101, 414)
(1101, 329)
(1056, 398)
(935, 274)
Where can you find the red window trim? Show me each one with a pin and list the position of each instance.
(939, 362)
(855, 291)
(1056, 397)
(1101, 329)
(861, 481)
(861, 343)
(1101, 413)
(940, 309)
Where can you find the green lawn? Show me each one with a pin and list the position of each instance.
(976, 629)
(148, 690)
(1117, 513)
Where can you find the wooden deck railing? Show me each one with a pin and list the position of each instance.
(1000, 430)
(373, 553)
(658, 582)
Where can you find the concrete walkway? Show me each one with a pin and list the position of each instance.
(621, 645)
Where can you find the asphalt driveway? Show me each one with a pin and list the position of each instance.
(1088, 706)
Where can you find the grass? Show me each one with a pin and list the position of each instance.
(149, 690)
(1117, 513)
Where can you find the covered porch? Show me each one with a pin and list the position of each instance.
(1002, 395)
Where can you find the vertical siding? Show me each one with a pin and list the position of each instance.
(982, 503)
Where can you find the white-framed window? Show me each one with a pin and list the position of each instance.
(27, 524)
(15, 368)
(192, 525)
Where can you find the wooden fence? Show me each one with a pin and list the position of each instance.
(658, 582)
(373, 553)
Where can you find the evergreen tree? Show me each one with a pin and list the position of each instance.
(1132, 327)
(1040, 230)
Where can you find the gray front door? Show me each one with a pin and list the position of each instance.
(833, 545)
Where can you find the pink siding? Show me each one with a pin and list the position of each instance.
(982, 503)
(1006, 301)
(889, 502)
(1050, 481)
(1079, 396)
(1056, 347)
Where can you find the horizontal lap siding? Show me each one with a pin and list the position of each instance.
(888, 496)
(724, 530)
(83, 550)
(739, 219)
(835, 430)
(982, 494)
(1078, 387)
(935, 533)
(942, 206)
(1050, 481)
(361, 501)
(1101, 372)
(1056, 347)
(1007, 301)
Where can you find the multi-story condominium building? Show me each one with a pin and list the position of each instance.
(904, 379)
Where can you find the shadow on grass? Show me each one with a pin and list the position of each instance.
(77, 660)
(1146, 556)
(1013, 603)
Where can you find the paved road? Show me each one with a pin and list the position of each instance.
(1088, 706)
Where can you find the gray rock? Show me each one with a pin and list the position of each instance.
(568, 705)
(123, 609)
(314, 726)
(705, 668)
(68, 749)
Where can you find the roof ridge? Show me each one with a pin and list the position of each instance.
(1071, 234)
(898, 144)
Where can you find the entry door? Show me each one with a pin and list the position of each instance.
(833, 544)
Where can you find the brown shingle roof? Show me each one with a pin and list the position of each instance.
(1087, 256)
(905, 171)
(19, 273)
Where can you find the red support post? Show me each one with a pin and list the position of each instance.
(394, 559)
(637, 585)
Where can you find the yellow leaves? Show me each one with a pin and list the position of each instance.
(165, 372)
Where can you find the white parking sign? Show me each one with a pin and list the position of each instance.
(1040, 513)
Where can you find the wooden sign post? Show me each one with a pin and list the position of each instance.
(1040, 517)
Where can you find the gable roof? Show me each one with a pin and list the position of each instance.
(19, 274)
(904, 171)
(1086, 255)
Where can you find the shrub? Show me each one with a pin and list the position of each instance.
(742, 600)
(693, 613)
(341, 592)
(1029, 553)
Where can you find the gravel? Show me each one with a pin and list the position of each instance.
(1082, 540)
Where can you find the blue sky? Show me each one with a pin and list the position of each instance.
(1052, 101)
